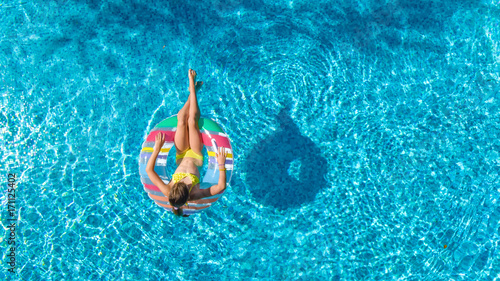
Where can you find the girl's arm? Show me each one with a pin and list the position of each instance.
(150, 167)
(221, 185)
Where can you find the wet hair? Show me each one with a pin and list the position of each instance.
(179, 194)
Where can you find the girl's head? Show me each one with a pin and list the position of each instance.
(179, 194)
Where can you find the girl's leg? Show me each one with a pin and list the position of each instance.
(194, 115)
(181, 139)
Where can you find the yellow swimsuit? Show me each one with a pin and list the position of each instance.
(189, 153)
(179, 176)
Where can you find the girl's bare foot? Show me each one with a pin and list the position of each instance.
(192, 75)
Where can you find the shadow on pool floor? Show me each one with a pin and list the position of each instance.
(286, 169)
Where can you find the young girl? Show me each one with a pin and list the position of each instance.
(185, 183)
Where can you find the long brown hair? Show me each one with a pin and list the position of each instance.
(179, 194)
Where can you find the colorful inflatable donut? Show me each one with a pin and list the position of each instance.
(213, 136)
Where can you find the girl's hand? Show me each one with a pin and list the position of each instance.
(221, 156)
(159, 141)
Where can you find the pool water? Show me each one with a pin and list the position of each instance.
(366, 136)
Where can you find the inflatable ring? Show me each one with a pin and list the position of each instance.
(212, 135)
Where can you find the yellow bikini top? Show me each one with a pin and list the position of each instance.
(179, 176)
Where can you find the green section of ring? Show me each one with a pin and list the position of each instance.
(209, 125)
(203, 123)
(169, 122)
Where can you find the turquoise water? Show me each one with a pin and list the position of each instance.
(366, 135)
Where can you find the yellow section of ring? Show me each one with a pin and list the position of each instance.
(150, 149)
(212, 154)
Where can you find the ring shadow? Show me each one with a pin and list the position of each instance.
(286, 169)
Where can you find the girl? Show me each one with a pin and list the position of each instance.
(185, 183)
